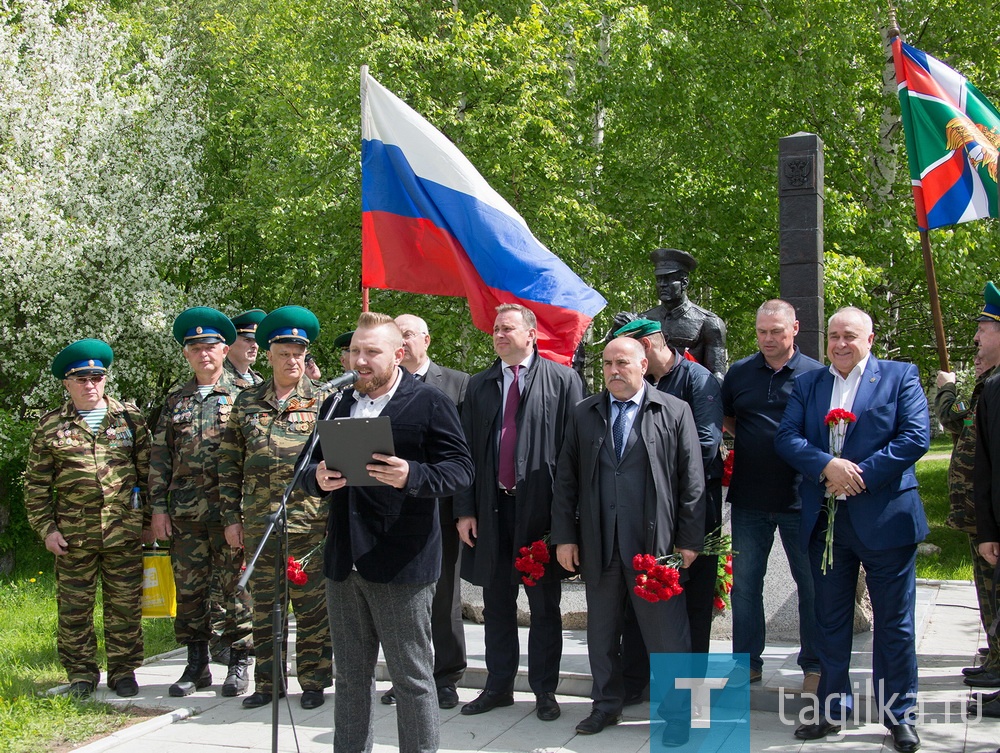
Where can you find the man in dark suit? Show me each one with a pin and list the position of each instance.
(879, 517)
(383, 547)
(630, 471)
(447, 630)
(670, 372)
(514, 417)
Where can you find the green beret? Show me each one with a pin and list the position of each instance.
(991, 304)
(289, 324)
(343, 341)
(82, 358)
(202, 324)
(668, 260)
(638, 328)
(246, 323)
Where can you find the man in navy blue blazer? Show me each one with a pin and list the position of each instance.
(879, 517)
(383, 548)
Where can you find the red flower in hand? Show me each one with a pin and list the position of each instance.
(295, 573)
(533, 560)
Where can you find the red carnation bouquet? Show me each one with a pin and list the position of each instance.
(836, 421)
(533, 560)
(724, 582)
(727, 467)
(296, 570)
(660, 576)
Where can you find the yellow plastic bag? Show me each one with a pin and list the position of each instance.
(159, 599)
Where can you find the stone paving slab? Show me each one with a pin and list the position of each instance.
(948, 635)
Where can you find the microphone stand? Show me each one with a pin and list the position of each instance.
(277, 521)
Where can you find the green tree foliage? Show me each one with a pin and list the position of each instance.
(613, 127)
(99, 145)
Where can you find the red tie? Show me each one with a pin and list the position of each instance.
(506, 473)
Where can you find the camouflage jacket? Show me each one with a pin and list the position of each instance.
(958, 418)
(183, 467)
(236, 378)
(80, 482)
(257, 459)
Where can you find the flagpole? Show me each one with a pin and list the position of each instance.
(364, 105)
(925, 246)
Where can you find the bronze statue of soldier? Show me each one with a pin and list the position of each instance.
(686, 325)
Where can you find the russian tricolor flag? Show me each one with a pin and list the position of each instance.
(431, 224)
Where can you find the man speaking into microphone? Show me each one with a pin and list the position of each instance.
(383, 547)
(267, 429)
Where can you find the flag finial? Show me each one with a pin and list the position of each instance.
(893, 24)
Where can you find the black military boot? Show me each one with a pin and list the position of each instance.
(196, 674)
(237, 680)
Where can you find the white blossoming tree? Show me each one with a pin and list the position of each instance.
(100, 198)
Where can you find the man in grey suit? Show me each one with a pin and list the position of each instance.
(447, 630)
(629, 481)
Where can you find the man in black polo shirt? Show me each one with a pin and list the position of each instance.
(764, 489)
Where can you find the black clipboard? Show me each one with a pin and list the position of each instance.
(348, 444)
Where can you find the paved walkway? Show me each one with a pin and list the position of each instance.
(948, 635)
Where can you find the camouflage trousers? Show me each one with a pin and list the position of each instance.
(224, 614)
(197, 551)
(982, 573)
(313, 650)
(120, 571)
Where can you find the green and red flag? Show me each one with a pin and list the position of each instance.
(952, 140)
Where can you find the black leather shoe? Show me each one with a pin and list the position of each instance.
(80, 689)
(487, 701)
(258, 699)
(389, 697)
(675, 735)
(989, 678)
(597, 721)
(196, 673)
(447, 697)
(125, 687)
(985, 651)
(311, 699)
(988, 706)
(816, 731)
(904, 738)
(546, 707)
(970, 671)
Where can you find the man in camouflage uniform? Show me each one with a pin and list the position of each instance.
(243, 353)
(266, 432)
(239, 370)
(958, 417)
(184, 493)
(85, 460)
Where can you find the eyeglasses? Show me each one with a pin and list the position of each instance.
(84, 380)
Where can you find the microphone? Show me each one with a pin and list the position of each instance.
(345, 379)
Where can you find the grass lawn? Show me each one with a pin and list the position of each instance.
(29, 719)
(955, 560)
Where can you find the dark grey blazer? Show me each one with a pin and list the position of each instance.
(674, 509)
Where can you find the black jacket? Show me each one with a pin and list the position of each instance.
(987, 469)
(392, 535)
(550, 392)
